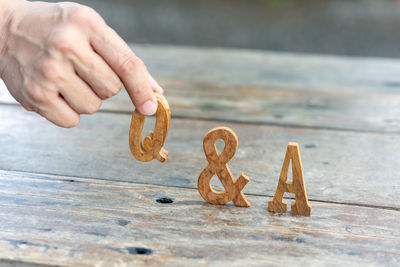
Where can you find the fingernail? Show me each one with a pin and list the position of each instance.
(155, 84)
(149, 108)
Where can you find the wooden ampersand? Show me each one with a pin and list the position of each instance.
(217, 164)
(301, 206)
(152, 145)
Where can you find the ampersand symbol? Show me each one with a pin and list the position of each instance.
(217, 164)
(152, 145)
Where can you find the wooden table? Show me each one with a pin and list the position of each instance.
(77, 197)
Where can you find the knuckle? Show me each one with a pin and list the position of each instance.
(141, 90)
(130, 65)
(84, 16)
(38, 95)
(106, 94)
(115, 88)
(103, 94)
(64, 41)
(109, 89)
(93, 107)
(50, 71)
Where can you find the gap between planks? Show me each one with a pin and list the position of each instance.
(83, 228)
(261, 123)
(124, 167)
(54, 176)
(20, 263)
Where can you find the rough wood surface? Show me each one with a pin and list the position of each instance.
(218, 165)
(300, 206)
(86, 222)
(323, 109)
(343, 112)
(334, 109)
(98, 148)
(238, 67)
(152, 146)
(275, 88)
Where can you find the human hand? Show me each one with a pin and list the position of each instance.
(61, 60)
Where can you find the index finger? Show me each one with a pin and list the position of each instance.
(130, 68)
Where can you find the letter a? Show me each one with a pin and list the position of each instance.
(301, 206)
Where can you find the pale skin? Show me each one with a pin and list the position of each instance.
(62, 60)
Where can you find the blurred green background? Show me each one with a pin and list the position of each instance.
(343, 27)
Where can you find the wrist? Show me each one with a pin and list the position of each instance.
(7, 9)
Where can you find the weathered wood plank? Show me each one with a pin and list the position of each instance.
(323, 109)
(378, 112)
(265, 69)
(274, 88)
(85, 222)
(338, 166)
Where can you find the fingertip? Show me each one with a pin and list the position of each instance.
(60, 113)
(72, 123)
(148, 108)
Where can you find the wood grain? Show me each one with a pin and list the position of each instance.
(97, 148)
(272, 88)
(300, 206)
(335, 109)
(217, 165)
(152, 146)
(266, 69)
(85, 222)
(343, 112)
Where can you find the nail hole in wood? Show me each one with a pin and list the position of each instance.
(164, 200)
(123, 222)
(69, 180)
(139, 251)
(310, 146)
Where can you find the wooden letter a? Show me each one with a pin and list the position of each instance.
(301, 206)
